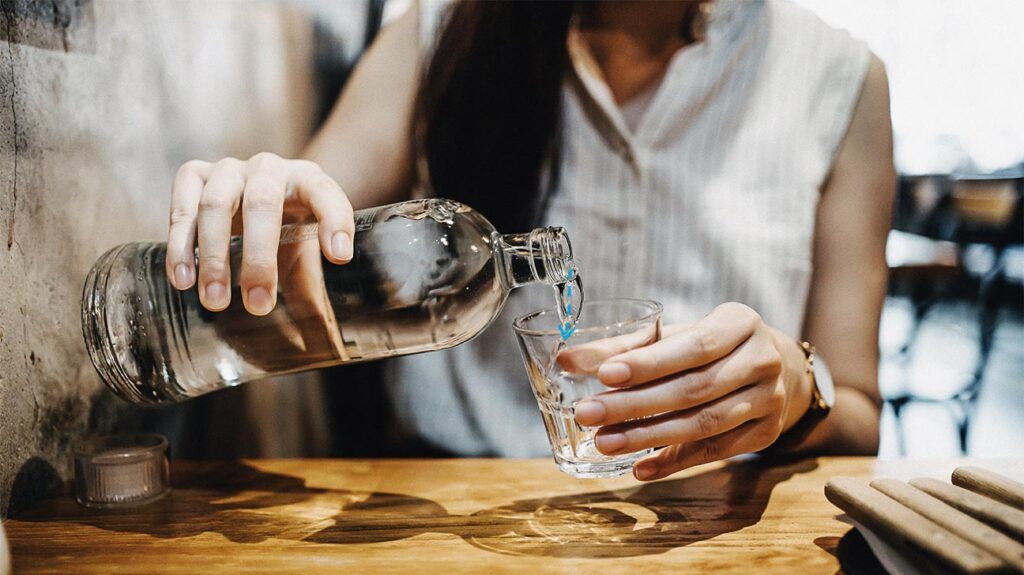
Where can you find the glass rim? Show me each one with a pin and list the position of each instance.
(655, 309)
(115, 448)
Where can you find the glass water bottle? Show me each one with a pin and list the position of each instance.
(425, 275)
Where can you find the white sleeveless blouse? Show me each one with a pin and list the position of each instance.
(711, 199)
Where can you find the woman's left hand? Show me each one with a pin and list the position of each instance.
(726, 385)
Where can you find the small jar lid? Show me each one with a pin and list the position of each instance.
(121, 470)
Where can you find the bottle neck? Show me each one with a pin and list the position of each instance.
(543, 255)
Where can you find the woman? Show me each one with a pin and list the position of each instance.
(732, 160)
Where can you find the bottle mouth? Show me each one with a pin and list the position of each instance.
(555, 252)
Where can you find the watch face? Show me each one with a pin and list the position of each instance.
(823, 380)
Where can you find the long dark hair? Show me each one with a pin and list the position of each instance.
(489, 107)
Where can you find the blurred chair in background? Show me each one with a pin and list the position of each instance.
(951, 241)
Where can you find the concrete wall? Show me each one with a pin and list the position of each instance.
(100, 101)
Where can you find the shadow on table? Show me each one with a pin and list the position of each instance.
(853, 552)
(247, 505)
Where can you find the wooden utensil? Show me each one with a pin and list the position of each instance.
(908, 531)
(965, 526)
(990, 484)
(998, 515)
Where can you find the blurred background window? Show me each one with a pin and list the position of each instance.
(955, 75)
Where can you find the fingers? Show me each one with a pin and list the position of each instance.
(713, 337)
(217, 206)
(181, 235)
(262, 211)
(754, 435)
(329, 204)
(205, 199)
(751, 362)
(691, 425)
(586, 358)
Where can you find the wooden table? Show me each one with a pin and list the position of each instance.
(458, 516)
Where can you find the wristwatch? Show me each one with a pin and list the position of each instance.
(823, 397)
(823, 390)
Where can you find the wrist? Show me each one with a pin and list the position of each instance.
(796, 380)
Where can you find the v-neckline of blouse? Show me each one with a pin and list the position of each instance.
(678, 90)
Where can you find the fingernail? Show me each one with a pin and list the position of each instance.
(589, 412)
(615, 372)
(645, 470)
(341, 246)
(182, 276)
(611, 442)
(216, 294)
(260, 302)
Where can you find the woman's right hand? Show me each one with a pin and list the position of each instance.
(270, 191)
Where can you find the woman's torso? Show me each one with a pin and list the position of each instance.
(711, 198)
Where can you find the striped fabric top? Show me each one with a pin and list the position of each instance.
(712, 198)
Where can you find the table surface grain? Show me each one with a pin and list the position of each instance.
(459, 516)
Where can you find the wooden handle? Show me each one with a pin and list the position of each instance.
(998, 515)
(905, 529)
(990, 484)
(965, 526)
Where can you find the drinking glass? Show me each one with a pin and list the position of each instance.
(564, 371)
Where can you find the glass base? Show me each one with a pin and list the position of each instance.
(613, 467)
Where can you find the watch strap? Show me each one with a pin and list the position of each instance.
(816, 412)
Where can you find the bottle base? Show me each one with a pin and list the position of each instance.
(97, 324)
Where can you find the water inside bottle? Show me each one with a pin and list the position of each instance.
(389, 299)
